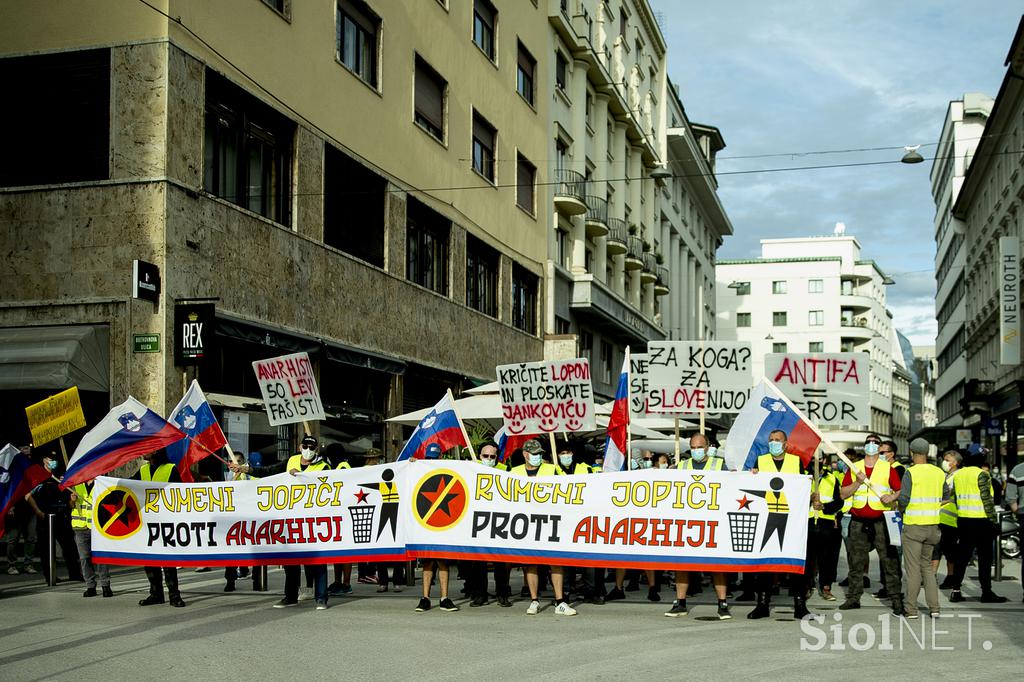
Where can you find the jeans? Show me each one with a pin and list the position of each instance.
(83, 540)
(315, 573)
(21, 527)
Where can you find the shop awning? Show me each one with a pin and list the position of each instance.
(363, 358)
(55, 358)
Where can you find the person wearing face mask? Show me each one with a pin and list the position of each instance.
(950, 536)
(867, 525)
(45, 499)
(699, 460)
(661, 460)
(477, 583)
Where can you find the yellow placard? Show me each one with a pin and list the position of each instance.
(56, 416)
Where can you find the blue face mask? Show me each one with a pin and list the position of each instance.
(871, 448)
(51, 464)
(712, 451)
(842, 466)
(774, 447)
(697, 454)
(535, 460)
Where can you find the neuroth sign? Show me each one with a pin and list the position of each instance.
(830, 388)
(544, 397)
(685, 377)
(289, 389)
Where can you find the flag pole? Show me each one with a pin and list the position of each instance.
(675, 431)
(462, 426)
(629, 416)
(206, 449)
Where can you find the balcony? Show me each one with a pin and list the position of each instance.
(608, 312)
(661, 287)
(856, 330)
(855, 302)
(617, 235)
(570, 192)
(597, 217)
(650, 268)
(634, 256)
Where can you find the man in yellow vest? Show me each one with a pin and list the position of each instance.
(81, 524)
(700, 460)
(867, 524)
(156, 468)
(951, 461)
(823, 534)
(919, 501)
(977, 524)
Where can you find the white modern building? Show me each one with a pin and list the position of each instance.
(812, 295)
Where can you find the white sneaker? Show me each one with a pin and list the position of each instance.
(563, 609)
(12, 570)
(534, 607)
(29, 568)
(305, 594)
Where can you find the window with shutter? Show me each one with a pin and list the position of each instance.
(429, 99)
(483, 147)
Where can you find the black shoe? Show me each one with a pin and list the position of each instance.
(897, 607)
(107, 592)
(178, 602)
(800, 608)
(597, 599)
(678, 609)
(991, 598)
(849, 604)
(424, 605)
(151, 600)
(229, 586)
(746, 596)
(882, 594)
(504, 602)
(478, 601)
(760, 611)
(616, 593)
(90, 592)
(652, 594)
(845, 582)
(285, 603)
(723, 611)
(447, 605)
(956, 596)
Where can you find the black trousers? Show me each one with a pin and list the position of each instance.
(156, 588)
(975, 534)
(397, 571)
(65, 537)
(477, 578)
(823, 541)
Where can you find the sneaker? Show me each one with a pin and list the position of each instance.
(12, 570)
(616, 593)
(424, 605)
(30, 569)
(934, 614)
(321, 606)
(991, 598)
(382, 588)
(478, 601)
(849, 604)
(678, 609)
(652, 594)
(504, 602)
(911, 616)
(563, 609)
(285, 603)
(368, 580)
(956, 596)
(723, 611)
(306, 594)
(826, 594)
(447, 605)
(337, 589)
(534, 607)
(396, 588)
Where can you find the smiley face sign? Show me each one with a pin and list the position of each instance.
(544, 397)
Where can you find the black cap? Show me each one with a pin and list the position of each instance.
(310, 441)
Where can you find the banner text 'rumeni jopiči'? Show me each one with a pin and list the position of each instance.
(549, 396)
(685, 377)
(658, 519)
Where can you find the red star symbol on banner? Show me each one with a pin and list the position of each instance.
(432, 496)
(744, 503)
(361, 496)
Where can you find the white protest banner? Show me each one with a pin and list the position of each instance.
(698, 376)
(289, 389)
(326, 517)
(547, 396)
(658, 519)
(832, 389)
(638, 385)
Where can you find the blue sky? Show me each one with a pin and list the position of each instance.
(807, 76)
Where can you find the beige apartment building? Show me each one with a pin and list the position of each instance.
(360, 180)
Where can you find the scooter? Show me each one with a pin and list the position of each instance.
(1009, 536)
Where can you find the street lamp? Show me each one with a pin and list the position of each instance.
(661, 173)
(912, 156)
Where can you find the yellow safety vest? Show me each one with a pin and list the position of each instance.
(864, 496)
(713, 464)
(545, 469)
(81, 515)
(295, 462)
(824, 488)
(947, 513)
(790, 464)
(388, 492)
(582, 468)
(926, 482)
(162, 474)
(343, 465)
(968, 494)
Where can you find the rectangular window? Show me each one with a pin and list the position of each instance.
(563, 255)
(481, 277)
(816, 318)
(847, 346)
(562, 325)
(815, 286)
(485, 18)
(779, 319)
(742, 288)
(779, 287)
(526, 175)
(429, 94)
(426, 247)
(742, 319)
(483, 147)
(354, 207)
(279, 6)
(248, 151)
(606, 362)
(56, 112)
(587, 346)
(526, 70)
(622, 22)
(778, 347)
(816, 347)
(524, 300)
(561, 70)
(357, 30)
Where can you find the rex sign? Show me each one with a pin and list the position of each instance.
(193, 332)
(289, 389)
(830, 388)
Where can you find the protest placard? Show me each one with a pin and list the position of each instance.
(56, 416)
(289, 389)
(686, 377)
(547, 396)
(832, 389)
(638, 385)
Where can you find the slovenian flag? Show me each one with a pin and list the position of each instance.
(616, 445)
(441, 425)
(18, 476)
(764, 412)
(128, 431)
(508, 442)
(204, 435)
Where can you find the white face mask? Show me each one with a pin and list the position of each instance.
(648, 464)
(712, 451)
(535, 460)
(488, 461)
(307, 454)
(945, 465)
(566, 460)
(662, 465)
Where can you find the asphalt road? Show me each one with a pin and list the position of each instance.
(53, 633)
